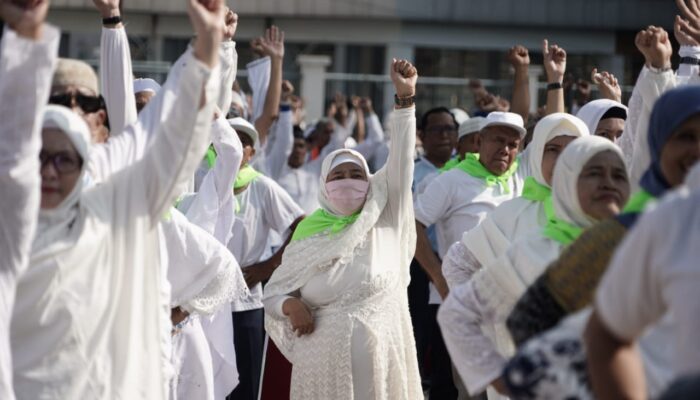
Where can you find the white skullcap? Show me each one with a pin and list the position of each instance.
(146, 85)
(470, 126)
(70, 72)
(243, 126)
(460, 115)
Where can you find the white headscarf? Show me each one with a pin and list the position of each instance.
(565, 180)
(342, 156)
(548, 128)
(593, 111)
(55, 220)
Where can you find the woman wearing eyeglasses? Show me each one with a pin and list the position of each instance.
(87, 318)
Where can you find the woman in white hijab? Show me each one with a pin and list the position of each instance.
(604, 118)
(517, 217)
(589, 184)
(87, 319)
(337, 306)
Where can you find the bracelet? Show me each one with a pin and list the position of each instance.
(111, 20)
(659, 70)
(404, 102)
(554, 86)
(690, 60)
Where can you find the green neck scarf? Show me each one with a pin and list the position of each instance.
(322, 221)
(210, 156)
(535, 191)
(450, 164)
(246, 175)
(561, 231)
(638, 202)
(473, 167)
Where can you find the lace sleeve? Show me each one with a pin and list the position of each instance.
(474, 355)
(227, 286)
(459, 265)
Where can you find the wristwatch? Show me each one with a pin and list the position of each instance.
(404, 102)
(690, 60)
(111, 20)
(554, 86)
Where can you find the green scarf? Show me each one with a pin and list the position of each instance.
(211, 156)
(473, 167)
(322, 221)
(535, 191)
(450, 164)
(638, 202)
(246, 175)
(561, 231)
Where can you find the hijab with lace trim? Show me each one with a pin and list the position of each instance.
(515, 218)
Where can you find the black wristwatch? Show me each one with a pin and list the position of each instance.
(404, 102)
(690, 60)
(111, 20)
(554, 86)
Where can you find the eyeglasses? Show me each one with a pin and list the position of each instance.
(63, 163)
(439, 129)
(89, 104)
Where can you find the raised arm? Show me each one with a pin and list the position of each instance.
(28, 52)
(229, 70)
(183, 137)
(555, 67)
(281, 147)
(116, 75)
(212, 208)
(520, 60)
(271, 45)
(607, 85)
(375, 134)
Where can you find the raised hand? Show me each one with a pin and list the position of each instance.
(655, 45)
(25, 17)
(685, 33)
(107, 8)
(271, 44)
(230, 24)
(404, 75)
(690, 11)
(206, 17)
(366, 105)
(607, 85)
(287, 91)
(518, 56)
(554, 62)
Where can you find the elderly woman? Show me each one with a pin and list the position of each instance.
(337, 306)
(87, 320)
(589, 184)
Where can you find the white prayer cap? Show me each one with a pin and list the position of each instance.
(460, 115)
(566, 172)
(146, 85)
(343, 158)
(70, 72)
(243, 126)
(470, 126)
(70, 123)
(508, 119)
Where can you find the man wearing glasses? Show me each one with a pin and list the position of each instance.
(75, 86)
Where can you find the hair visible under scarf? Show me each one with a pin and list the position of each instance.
(567, 206)
(670, 111)
(593, 112)
(615, 112)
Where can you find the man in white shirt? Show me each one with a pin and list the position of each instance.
(262, 207)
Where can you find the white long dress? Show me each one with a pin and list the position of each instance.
(26, 67)
(355, 282)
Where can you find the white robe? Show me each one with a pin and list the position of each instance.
(355, 282)
(87, 323)
(26, 68)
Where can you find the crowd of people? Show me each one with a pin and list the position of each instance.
(193, 241)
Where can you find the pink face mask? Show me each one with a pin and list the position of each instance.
(347, 195)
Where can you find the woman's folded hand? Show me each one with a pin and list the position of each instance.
(299, 316)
